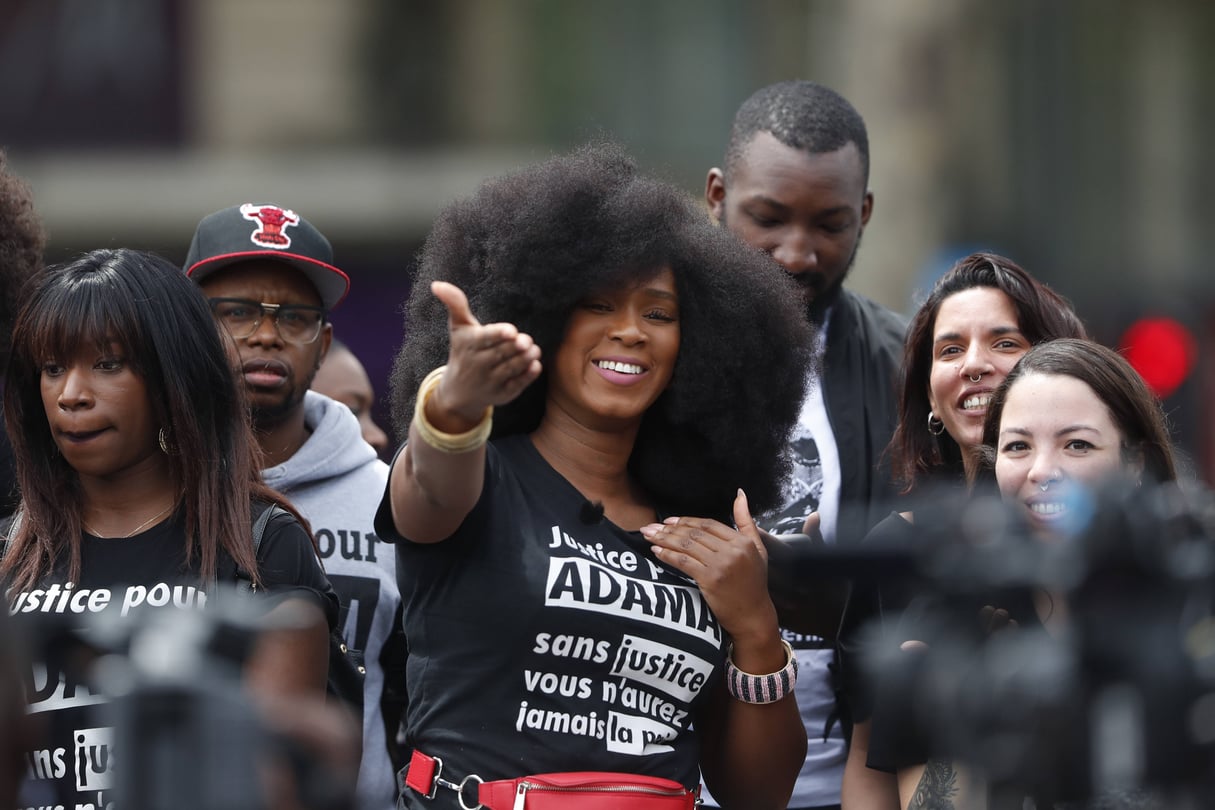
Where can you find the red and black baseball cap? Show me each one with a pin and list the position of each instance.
(266, 231)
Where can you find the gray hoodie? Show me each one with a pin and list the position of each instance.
(336, 480)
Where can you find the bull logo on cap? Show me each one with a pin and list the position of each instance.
(271, 221)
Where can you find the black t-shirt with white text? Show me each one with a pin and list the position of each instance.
(74, 764)
(542, 642)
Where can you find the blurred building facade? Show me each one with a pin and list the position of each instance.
(1070, 136)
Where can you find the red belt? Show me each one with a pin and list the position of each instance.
(575, 790)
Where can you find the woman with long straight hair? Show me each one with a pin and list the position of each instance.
(139, 487)
(976, 322)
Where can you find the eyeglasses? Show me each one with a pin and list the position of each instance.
(295, 323)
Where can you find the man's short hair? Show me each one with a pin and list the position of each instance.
(801, 114)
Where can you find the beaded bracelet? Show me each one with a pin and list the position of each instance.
(761, 688)
(439, 440)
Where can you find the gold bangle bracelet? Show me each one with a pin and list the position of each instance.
(439, 440)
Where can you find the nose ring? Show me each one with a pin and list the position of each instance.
(977, 378)
(1044, 487)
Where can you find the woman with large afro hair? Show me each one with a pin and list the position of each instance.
(636, 372)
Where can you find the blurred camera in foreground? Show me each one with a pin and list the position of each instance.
(1065, 668)
(182, 729)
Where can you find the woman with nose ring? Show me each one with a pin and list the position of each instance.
(1071, 416)
(977, 321)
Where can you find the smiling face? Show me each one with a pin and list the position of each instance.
(618, 353)
(99, 413)
(1056, 441)
(976, 340)
(806, 210)
(276, 372)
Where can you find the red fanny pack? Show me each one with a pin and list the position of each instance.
(574, 790)
(586, 790)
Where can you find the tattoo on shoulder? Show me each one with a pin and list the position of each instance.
(937, 789)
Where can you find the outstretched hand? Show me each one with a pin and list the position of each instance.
(729, 565)
(487, 364)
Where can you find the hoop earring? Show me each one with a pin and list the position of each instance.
(166, 446)
(935, 426)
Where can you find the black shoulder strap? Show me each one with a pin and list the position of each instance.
(259, 525)
(346, 670)
(259, 529)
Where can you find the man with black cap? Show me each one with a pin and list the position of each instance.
(271, 281)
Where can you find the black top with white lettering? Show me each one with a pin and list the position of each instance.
(73, 766)
(540, 642)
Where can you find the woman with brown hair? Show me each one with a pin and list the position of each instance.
(976, 323)
(139, 485)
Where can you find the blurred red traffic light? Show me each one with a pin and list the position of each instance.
(1162, 351)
